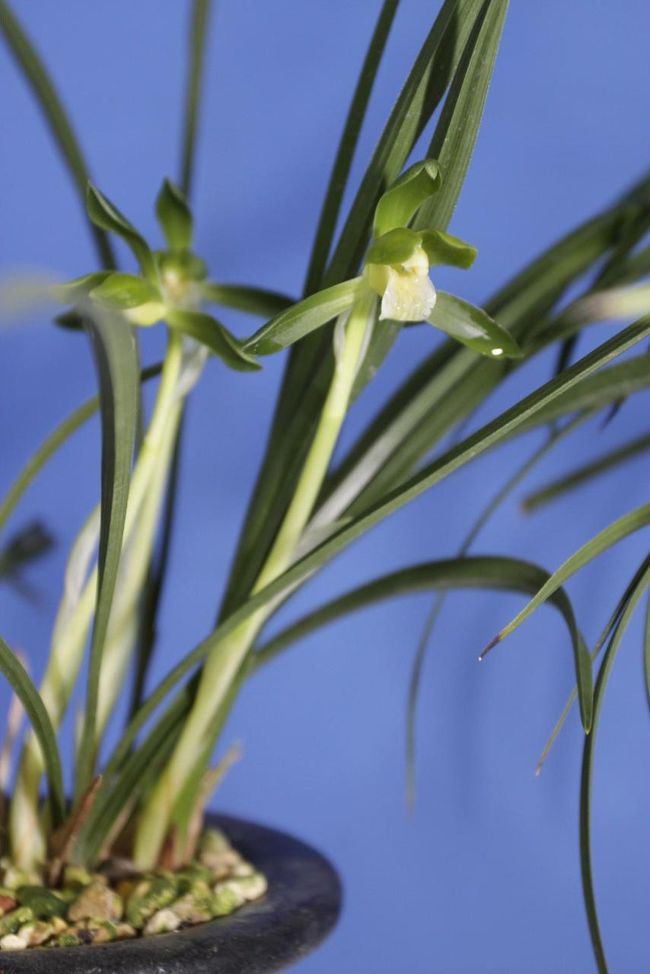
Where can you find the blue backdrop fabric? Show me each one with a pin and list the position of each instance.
(483, 875)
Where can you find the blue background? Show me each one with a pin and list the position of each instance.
(484, 875)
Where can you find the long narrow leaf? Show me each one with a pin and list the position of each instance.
(602, 640)
(254, 300)
(489, 436)
(197, 41)
(28, 695)
(347, 146)
(310, 366)
(455, 136)
(586, 473)
(50, 104)
(117, 367)
(611, 535)
(502, 574)
(425, 639)
(587, 774)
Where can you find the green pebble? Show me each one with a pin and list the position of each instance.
(224, 901)
(66, 940)
(12, 921)
(43, 903)
(160, 892)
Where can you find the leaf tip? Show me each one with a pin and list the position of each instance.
(490, 646)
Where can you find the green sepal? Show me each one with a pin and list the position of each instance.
(79, 288)
(398, 205)
(174, 216)
(443, 248)
(140, 301)
(211, 333)
(122, 291)
(473, 327)
(103, 214)
(304, 318)
(394, 247)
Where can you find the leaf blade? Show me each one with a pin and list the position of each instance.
(119, 382)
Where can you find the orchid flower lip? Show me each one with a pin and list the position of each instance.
(409, 295)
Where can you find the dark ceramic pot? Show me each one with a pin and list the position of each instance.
(300, 908)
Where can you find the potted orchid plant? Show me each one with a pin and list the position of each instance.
(130, 851)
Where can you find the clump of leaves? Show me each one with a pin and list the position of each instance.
(362, 287)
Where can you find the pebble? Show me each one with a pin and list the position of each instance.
(87, 910)
(12, 941)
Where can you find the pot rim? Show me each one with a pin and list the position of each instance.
(301, 907)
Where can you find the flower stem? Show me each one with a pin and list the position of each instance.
(226, 658)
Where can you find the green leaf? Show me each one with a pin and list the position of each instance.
(456, 131)
(455, 135)
(253, 300)
(443, 248)
(209, 332)
(488, 436)
(473, 327)
(586, 472)
(119, 382)
(347, 146)
(588, 757)
(117, 792)
(424, 642)
(611, 535)
(311, 361)
(174, 216)
(28, 695)
(402, 200)
(120, 292)
(598, 391)
(497, 574)
(604, 636)
(103, 214)
(197, 42)
(423, 90)
(50, 104)
(302, 318)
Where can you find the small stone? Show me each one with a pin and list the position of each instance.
(148, 897)
(102, 933)
(11, 922)
(251, 887)
(243, 868)
(225, 900)
(7, 903)
(96, 902)
(12, 942)
(37, 933)
(66, 940)
(191, 910)
(125, 931)
(163, 921)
